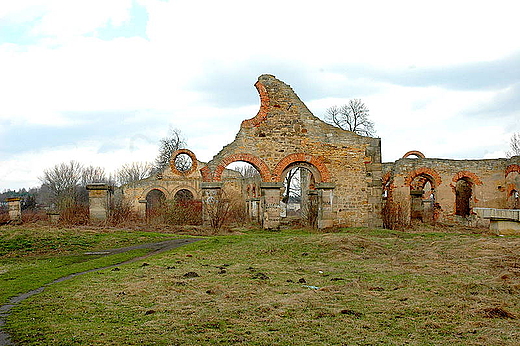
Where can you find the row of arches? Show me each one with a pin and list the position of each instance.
(424, 182)
(316, 164)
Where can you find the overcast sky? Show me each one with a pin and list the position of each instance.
(101, 81)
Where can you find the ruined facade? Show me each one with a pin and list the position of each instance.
(344, 179)
(448, 190)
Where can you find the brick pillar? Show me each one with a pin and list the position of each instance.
(325, 202)
(15, 208)
(271, 205)
(211, 193)
(99, 198)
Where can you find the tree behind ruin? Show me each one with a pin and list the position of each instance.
(353, 116)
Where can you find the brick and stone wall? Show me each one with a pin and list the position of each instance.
(492, 182)
(285, 134)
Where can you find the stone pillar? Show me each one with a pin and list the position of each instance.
(99, 198)
(15, 208)
(271, 205)
(325, 200)
(211, 194)
(141, 208)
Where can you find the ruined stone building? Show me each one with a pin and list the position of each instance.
(344, 181)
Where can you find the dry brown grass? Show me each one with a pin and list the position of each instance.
(356, 287)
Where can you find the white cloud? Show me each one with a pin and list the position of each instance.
(68, 72)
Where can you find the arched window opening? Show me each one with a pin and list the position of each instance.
(155, 201)
(513, 200)
(183, 195)
(463, 193)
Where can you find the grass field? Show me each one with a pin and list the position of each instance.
(294, 287)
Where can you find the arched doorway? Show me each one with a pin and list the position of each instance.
(422, 194)
(299, 198)
(463, 193)
(155, 200)
(185, 210)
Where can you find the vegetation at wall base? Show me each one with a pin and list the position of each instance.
(430, 286)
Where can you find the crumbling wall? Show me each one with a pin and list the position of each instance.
(492, 182)
(284, 133)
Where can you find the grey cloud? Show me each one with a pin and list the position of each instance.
(488, 75)
(105, 127)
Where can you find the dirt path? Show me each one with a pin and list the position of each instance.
(155, 248)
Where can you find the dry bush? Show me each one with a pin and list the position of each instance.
(74, 215)
(309, 212)
(394, 215)
(122, 213)
(4, 217)
(183, 212)
(225, 210)
(34, 215)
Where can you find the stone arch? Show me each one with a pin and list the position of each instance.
(318, 162)
(264, 106)
(417, 153)
(260, 165)
(155, 187)
(193, 162)
(183, 187)
(425, 171)
(155, 199)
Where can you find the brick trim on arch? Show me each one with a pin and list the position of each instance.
(316, 161)
(512, 168)
(260, 165)
(467, 174)
(206, 174)
(414, 152)
(264, 106)
(426, 171)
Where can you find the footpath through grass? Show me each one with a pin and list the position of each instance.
(355, 287)
(33, 257)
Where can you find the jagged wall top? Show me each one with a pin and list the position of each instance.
(276, 97)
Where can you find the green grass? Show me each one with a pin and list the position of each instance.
(31, 258)
(374, 287)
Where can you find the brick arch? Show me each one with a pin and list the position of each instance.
(414, 152)
(435, 177)
(260, 165)
(264, 106)
(512, 168)
(316, 161)
(467, 174)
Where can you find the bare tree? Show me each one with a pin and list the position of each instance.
(62, 181)
(168, 145)
(515, 145)
(353, 116)
(131, 172)
(93, 174)
(292, 183)
(247, 170)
